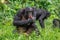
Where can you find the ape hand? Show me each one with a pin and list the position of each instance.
(31, 20)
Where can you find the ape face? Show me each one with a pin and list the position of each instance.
(29, 12)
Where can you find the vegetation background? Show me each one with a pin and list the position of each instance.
(8, 9)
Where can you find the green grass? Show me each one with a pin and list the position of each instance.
(7, 11)
(49, 33)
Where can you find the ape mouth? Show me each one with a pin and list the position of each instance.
(30, 16)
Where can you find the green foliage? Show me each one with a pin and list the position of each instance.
(9, 9)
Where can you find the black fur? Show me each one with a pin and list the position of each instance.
(38, 14)
(27, 23)
(56, 23)
(41, 15)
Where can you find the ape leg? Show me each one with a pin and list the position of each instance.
(41, 21)
(31, 28)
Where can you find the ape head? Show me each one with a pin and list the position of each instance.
(29, 12)
(28, 9)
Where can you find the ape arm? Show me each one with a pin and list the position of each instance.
(18, 22)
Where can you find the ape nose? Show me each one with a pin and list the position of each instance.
(30, 16)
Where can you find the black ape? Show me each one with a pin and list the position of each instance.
(41, 15)
(56, 23)
(24, 20)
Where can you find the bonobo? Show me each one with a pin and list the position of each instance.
(56, 23)
(25, 21)
(41, 15)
